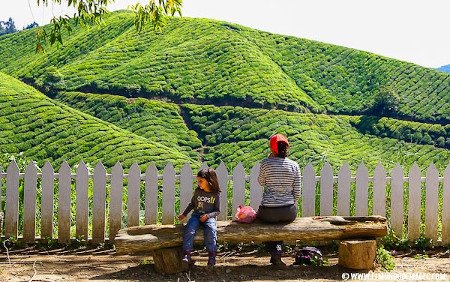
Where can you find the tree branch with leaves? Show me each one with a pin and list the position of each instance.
(90, 12)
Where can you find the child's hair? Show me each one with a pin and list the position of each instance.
(211, 177)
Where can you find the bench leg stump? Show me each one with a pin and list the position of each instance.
(169, 260)
(357, 254)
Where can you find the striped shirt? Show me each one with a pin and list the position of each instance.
(280, 178)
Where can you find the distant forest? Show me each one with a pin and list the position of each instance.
(9, 26)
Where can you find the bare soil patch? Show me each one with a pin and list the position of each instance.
(98, 264)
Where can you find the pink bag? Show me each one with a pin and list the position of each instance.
(245, 214)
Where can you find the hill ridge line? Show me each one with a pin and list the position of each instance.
(237, 103)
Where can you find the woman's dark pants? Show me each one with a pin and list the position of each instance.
(284, 214)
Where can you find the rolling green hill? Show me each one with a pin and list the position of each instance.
(157, 121)
(235, 134)
(209, 90)
(211, 62)
(38, 128)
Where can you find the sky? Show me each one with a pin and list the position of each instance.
(416, 31)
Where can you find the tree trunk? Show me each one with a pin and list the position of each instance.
(357, 254)
(169, 260)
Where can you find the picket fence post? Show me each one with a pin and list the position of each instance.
(48, 190)
(256, 191)
(222, 175)
(446, 207)
(64, 202)
(309, 191)
(186, 183)
(82, 203)
(361, 193)
(29, 203)
(344, 182)
(115, 201)
(12, 200)
(397, 200)
(414, 203)
(99, 204)
(151, 195)
(379, 190)
(238, 187)
(168, 199)
(431, 202)
(134, 199)
(326, 190)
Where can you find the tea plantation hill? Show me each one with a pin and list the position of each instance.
(195, 62)
(37, 128)
(155, 120)
(204, 61)
(236, 134)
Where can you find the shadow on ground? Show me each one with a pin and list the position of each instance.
(229, 273)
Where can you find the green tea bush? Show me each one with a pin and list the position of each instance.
(68, 134)
(212, 62)
(157, 121)
(409, 131)
(314, 138)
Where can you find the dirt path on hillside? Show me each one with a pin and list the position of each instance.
(97, 264)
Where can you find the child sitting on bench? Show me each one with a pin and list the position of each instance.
(206, 205)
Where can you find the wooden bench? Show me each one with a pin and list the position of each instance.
(357, 247)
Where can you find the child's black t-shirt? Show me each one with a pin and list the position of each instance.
(204, 203)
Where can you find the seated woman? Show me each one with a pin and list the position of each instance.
(280, 178)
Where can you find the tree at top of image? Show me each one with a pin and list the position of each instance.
(92, 12)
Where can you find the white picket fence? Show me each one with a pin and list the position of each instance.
(182, 184)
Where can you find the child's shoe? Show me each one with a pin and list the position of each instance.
(186, 257)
